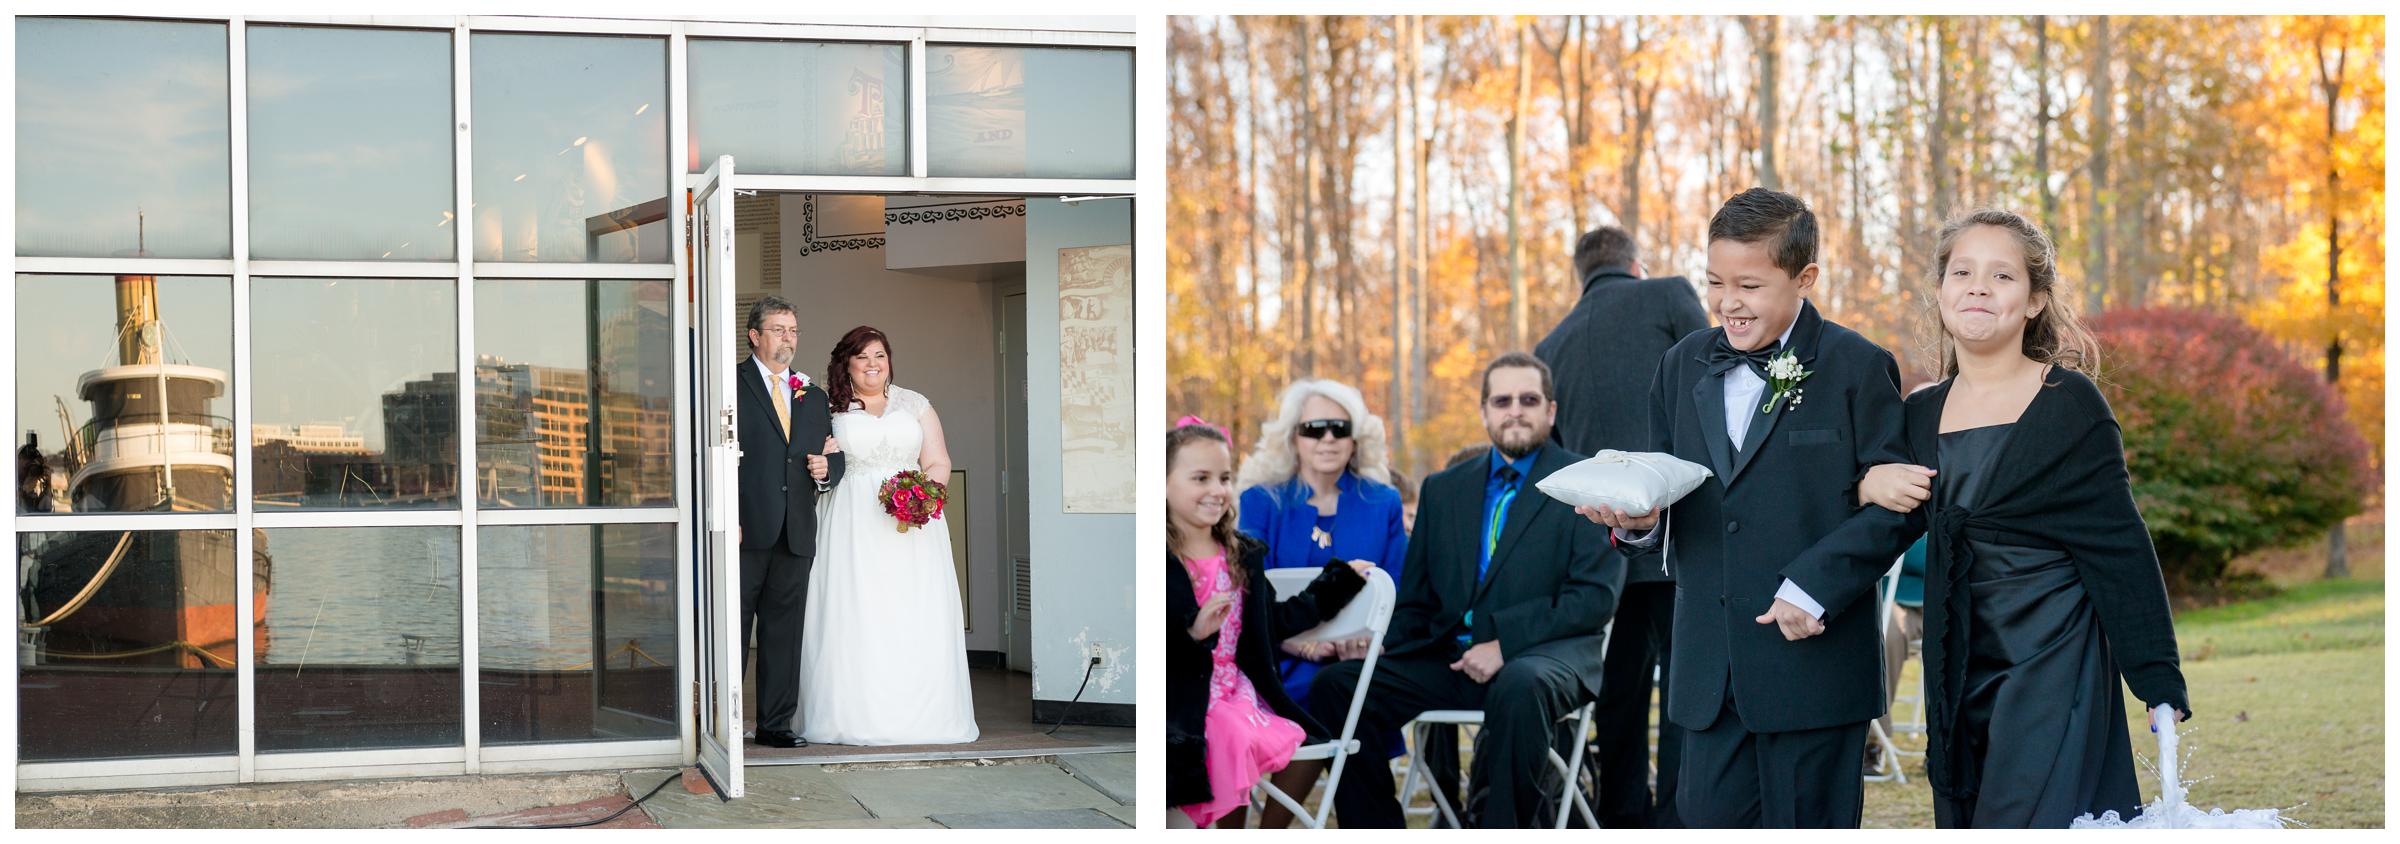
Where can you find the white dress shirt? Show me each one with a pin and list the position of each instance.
(1744, 392)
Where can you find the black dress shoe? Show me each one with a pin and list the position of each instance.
(780, 738)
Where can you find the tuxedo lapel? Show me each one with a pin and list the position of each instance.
(799, 400)
(1709, 393)
(1806, 325)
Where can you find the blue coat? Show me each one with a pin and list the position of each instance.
(1366, 526)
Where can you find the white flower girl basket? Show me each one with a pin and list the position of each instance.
(2173, 809)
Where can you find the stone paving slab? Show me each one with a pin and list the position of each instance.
(778, 797)
(1108, 773)
(924, 792)
(1044, 819)
(344, 804)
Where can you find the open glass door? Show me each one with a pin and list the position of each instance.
(716, 562)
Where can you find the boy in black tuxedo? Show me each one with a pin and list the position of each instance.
(1777, 669)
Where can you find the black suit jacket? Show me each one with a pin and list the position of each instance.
(1734, 539)
(778, 498)
(1551, 588)
(1600, 357)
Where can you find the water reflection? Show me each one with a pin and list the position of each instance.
(578, 632)
(363, 639)
(126, 643)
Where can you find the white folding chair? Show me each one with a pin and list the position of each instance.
(1366, 615)
(1888, 770)
(1569, 769)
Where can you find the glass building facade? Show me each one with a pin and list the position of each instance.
(350, 362)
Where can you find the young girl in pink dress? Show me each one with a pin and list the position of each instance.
(1228, 719)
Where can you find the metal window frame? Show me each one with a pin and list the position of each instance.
(247, 764)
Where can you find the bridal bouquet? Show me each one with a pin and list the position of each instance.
(913, 499)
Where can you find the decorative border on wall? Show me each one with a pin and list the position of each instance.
(948, 214)
(811, 245)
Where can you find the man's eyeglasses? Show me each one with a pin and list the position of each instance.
(1317, 429)
(785, 333)
(1528, 401)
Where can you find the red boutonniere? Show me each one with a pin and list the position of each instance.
(799, 382)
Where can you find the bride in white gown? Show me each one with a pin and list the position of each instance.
(883, 660)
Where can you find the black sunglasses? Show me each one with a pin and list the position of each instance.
(1526, 400)
(1317, 429)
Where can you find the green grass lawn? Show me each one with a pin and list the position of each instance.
(2288, 693)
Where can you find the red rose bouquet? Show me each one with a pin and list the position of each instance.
(913, 499)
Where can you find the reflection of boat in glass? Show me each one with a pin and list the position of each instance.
(113, 599)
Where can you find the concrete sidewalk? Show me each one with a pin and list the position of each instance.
(1085, 791)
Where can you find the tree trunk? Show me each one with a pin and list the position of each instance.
(2329, 79)
(2041, 137)
(1937, 160)
(2103, 118)
(1765, 31)
(1251, 98)
(1517, 310)
(1311, 165)
(1403, 113)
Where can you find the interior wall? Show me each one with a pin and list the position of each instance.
(825, 254)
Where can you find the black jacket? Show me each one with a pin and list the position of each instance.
(1736, 537)
(1551, 588)
(1601, 357)
(1265, 624)
(778, 498)
(2059, 481)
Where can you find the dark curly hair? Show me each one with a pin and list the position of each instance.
(837, 368)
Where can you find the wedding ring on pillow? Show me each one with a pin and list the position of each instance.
(1631, 482)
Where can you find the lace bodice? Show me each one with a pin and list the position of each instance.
(881, 446)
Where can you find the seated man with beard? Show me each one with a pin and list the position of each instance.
(1501, 605)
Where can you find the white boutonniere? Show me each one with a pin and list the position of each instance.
(799, 382)
(1783, 378)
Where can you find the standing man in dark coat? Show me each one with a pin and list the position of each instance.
(1777, 658)
(1603, 354)
(788, 459)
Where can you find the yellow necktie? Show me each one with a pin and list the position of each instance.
(783, 410)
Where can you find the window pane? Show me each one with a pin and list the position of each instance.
(1029, 112)
(142, 667)
(570, 148)
(357, 391)
(800, 107)
(123, 143)
(578, 632)
(350, 142)
(95, 357)
(362, 646)
(542, 351)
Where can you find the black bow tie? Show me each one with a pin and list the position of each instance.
(1724, 357)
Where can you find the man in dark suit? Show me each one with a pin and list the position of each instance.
(1502, 601)
(1602, 353)
(788, 459)
(1776, 670)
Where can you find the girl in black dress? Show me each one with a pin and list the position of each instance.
(2042, 588)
